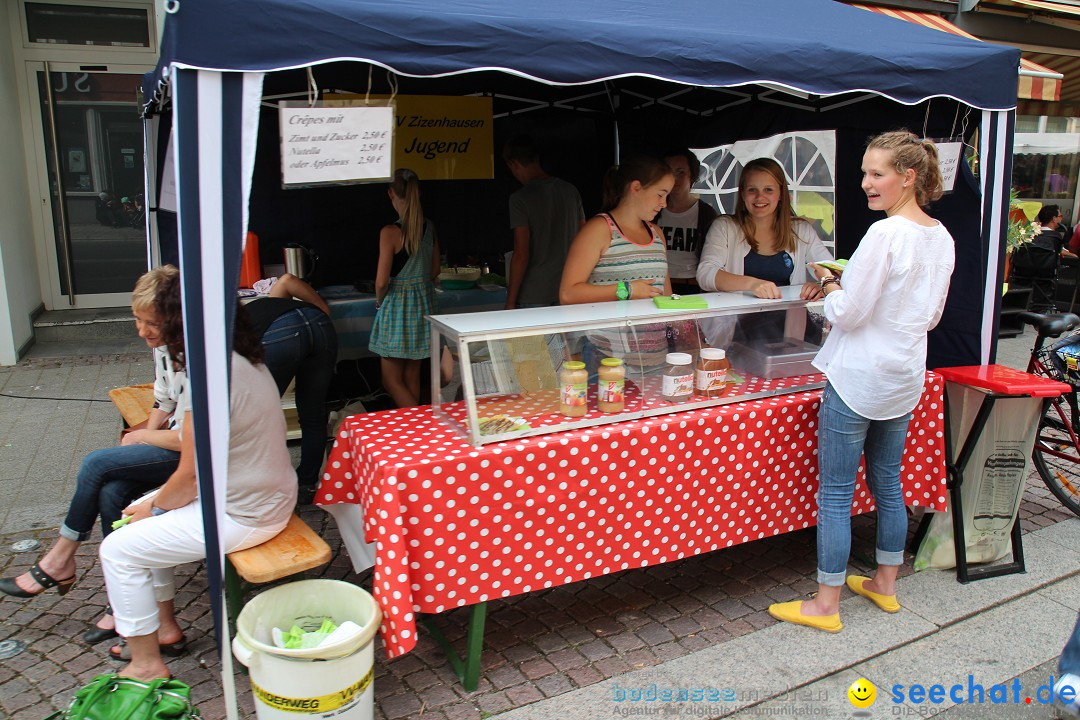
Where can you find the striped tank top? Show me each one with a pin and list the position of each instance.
(626, 261)
(642, 348)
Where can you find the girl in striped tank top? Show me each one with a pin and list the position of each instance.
(621, 255)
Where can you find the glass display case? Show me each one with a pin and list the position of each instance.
(542, 370)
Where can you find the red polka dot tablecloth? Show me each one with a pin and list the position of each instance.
(455, 525)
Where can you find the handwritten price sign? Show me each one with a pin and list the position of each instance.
(321, 145)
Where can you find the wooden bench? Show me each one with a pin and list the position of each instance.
(292, 551)
(134, 402)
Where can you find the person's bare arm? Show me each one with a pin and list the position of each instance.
(181, 487)
(288, 285)
(730, 282)
(518, 262)
(584, 253)
(164, 439)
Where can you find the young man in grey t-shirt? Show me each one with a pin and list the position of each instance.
(545, 215)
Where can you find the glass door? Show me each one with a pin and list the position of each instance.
(91, 181)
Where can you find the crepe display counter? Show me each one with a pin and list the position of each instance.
(543, 370)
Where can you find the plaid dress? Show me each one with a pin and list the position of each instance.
(400, 329)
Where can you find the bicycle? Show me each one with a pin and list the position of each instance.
(1056, 453)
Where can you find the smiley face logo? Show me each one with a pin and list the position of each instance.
(862, 693)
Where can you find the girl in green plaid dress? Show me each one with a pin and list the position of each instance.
(404, 294)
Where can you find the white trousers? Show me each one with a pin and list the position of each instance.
(138, 561)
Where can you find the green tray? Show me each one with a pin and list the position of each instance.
(685, 302)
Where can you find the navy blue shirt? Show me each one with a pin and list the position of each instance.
(774, 268)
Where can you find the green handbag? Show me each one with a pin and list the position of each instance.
(108, 697)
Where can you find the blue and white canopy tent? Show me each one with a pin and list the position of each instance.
(216, 54)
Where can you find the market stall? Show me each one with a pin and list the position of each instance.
(824, 57)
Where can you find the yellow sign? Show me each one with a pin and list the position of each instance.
(310, 706)
(440, 137)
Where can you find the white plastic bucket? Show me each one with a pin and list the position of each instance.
(328, 681)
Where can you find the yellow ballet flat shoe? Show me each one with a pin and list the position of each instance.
(885, 602)
(792, 612)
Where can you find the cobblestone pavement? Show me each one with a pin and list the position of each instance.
(535, 646)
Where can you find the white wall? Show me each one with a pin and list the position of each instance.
(20, 290)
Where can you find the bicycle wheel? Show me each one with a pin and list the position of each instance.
(1057, 456)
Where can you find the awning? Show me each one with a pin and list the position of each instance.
(1067, 9)
(1035, 83)
(1046, 143)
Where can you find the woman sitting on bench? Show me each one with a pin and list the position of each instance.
(111, 478)
(167, 529)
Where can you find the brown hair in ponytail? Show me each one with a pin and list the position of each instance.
(645, 169)
(406, 186)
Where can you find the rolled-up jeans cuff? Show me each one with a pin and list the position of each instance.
(831, 579)
(886, 557)
(69, 534)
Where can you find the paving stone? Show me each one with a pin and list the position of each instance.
(437, 696)
(596, 650)
(422, 679)
(505, 677)
(554, 685)
(535, 669)
(399, 706)
(523, 695)
(493, 702)
(463, 712)
(584, 676)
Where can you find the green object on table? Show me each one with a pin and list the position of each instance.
(108, 697)
(683, 302)
(117, 524)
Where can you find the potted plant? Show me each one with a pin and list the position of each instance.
(1020, 231)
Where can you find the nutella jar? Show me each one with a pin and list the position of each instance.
(677, 384)
(575, 382)
(611, 383)
(710, 380)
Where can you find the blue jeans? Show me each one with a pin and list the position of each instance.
(109, 480)
(843, 436)
(302, 343)
(1070, 656)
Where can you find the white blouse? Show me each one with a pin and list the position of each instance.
(170, 389)
(892, 293)
(726, 246)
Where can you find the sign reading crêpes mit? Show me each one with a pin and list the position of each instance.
(440, 137)
(322, 145)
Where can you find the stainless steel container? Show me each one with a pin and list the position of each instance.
(780, 359)
(299, 260)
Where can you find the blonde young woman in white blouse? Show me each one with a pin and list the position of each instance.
(891, 294)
